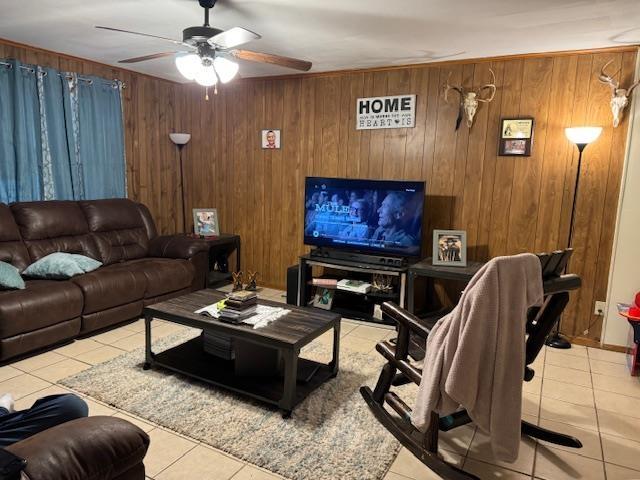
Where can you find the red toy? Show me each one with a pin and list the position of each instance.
(632, 314)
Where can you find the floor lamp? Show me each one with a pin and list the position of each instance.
(581, 136)
(181, 139)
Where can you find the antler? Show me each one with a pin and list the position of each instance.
(447, 87)
(630, 89)
(604, 78)
(491, 86)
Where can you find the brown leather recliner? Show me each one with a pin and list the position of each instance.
(93, 448)
(139, 268)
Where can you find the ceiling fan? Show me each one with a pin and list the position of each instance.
(210, 51)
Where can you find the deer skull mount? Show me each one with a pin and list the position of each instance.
(619, 96)
(469, 99)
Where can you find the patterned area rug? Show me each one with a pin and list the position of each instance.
(331, 435)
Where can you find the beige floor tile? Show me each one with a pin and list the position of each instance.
(408, 465)
(78, 347)
(165, 448)
(480, 449)
(554, 464)
(621, 451)
(553, 357)
(347, 327)
(395, 476)
(136, 327)
(530, 404)
(534, 386)
(609, 368)
(617, 403)
(99, 355)
(624, 385)
(60, 370)
(23, 385)
(457, 440)
(607, 355)
(486, 471)
(8, 372)
(563, 412)
(130, 343)
(567, 375)
(38, 361)
(619, 424)
(201, 463)
(567, 392)
(358, 344)
(615, 472)
(249, 472)
(575, 350)
(96, 408)
(147, 427)
(590, 439)
(370, 333)
(29, 400)
(112, 335)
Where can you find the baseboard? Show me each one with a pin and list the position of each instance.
(590, 342)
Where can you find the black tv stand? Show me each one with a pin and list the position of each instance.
(353, 268)
(361, 258)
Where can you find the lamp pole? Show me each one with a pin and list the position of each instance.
(180, 140)
(581, 137)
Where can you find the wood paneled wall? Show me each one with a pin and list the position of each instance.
(506, 204)
(150, 113)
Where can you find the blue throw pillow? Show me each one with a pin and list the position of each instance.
(87, 264)
(10, 278)
(54, 266)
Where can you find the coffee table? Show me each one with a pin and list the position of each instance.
(295, 377)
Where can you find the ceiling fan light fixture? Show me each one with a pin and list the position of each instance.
(188, 64)
(226, 69)
(206, 75)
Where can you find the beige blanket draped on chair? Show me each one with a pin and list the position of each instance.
(475, 355)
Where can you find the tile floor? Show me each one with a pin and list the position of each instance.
(584, 392)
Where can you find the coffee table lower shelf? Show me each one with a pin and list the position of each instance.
(191, 360)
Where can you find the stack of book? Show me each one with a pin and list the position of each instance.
(357, 286)
(238, 306)
(325, 282)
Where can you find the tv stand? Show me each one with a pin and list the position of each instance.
(353, 268)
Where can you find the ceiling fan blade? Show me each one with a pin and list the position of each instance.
(147, 57)
(233, 37)
(177, 42)
(272, 59)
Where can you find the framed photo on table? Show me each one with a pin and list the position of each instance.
(205, 222)
(516, 137)
(450, 248)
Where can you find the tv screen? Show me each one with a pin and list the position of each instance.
(372, 216)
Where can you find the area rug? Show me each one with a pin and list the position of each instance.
(331, 435)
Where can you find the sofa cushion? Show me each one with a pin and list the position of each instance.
(53, 226)
(118, 229)
(12, 249)
(163, 275)
(110, 287)
(10, 278)
(41, 304)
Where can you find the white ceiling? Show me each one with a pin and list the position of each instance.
(333, 34)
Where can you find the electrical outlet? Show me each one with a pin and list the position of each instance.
(600, 309)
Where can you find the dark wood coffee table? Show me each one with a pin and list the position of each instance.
(284, 338)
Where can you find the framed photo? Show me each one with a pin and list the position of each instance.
(516, 136)
(205, 222)
(271, 139)
(323, 298)
(450, 248)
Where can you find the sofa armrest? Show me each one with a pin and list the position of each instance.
(177, 246)
(92, 448)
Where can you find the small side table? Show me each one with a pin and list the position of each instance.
(223, 244)
(425, 268)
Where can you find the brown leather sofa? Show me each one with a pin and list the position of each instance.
(93, 448)
(139, 268)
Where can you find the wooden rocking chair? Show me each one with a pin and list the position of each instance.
(399, 370)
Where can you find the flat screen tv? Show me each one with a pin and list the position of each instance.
(370, 216)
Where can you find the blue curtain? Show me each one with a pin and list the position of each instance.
(20, 134)
(61, 135)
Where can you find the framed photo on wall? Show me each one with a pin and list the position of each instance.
(516, 136)
(450, 248)
(271, 139)
(205, 222)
